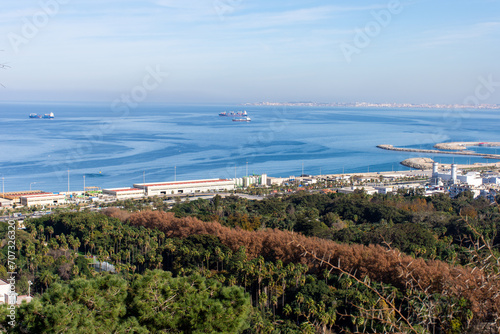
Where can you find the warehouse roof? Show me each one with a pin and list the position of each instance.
(180, 183)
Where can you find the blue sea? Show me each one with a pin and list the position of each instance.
(115, 147)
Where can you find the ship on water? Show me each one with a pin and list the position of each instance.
(234, 114)
(242, 119)
(50, 116)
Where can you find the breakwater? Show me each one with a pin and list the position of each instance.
(464, 144)
(416, 150)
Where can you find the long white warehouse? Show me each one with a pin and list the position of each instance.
(43, 199)
(185, 187)
(124, 193)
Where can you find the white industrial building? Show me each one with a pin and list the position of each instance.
(471, 178)
(392, 177)
(456, 183)
(10, 297)
(124, 193)
(4, 291)
(6, 203)
(492, 179)
(185, 187)
(456, 189)
(271, 181)
(350, 190)
(308, 180)
(384, 190)
(43, 199)
(253, 180)
(490, 194)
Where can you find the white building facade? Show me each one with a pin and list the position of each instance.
(43, 199)
(124, 193)
(4, 291)
(185, 187)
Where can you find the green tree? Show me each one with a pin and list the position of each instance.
(81, 306)
(191, 304)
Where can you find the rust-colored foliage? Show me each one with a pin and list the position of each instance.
(117, 213)
(379, 263)
(468, 211)
(416, 205)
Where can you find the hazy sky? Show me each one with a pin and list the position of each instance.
(251, 50)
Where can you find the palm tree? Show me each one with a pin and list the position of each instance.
(50, 229)
(127, 255)
(92, 227)
(161, 237)
(41, 230)
(47, 278)
(38, 260)
(140, 259)
(76, 244)
(86, 241)
(206, 257)
(30, 255)
(119, 236)
(220, 257)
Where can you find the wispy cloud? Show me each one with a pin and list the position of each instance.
(357, 8)
(184, 4)
(106, 43)
(456, 35)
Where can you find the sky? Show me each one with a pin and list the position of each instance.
(235, 51)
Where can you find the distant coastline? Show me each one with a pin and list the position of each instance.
(376, 105)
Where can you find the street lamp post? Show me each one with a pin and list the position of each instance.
(31, 184)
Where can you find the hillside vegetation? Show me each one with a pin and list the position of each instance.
(305, 263)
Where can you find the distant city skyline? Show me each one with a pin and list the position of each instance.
(237, 51)
(371, 104)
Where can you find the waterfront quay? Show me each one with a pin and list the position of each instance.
(425, 179)
(459, 152)
(253, 184)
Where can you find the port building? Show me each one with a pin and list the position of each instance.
(185, 187)
(453, 177)
(43, 199)
(15, 196)
(253, 180)
(5, 203)
(124, 193)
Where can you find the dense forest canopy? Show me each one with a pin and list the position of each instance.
(303, 263)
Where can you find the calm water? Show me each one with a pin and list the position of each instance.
(117, 148)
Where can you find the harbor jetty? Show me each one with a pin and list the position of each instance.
(418, 163)
(464, 144)
(449, 146)
(426, 164)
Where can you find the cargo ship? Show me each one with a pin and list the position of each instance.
(234, 114)
(241, 113)
(242, 119)
(33, 115)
